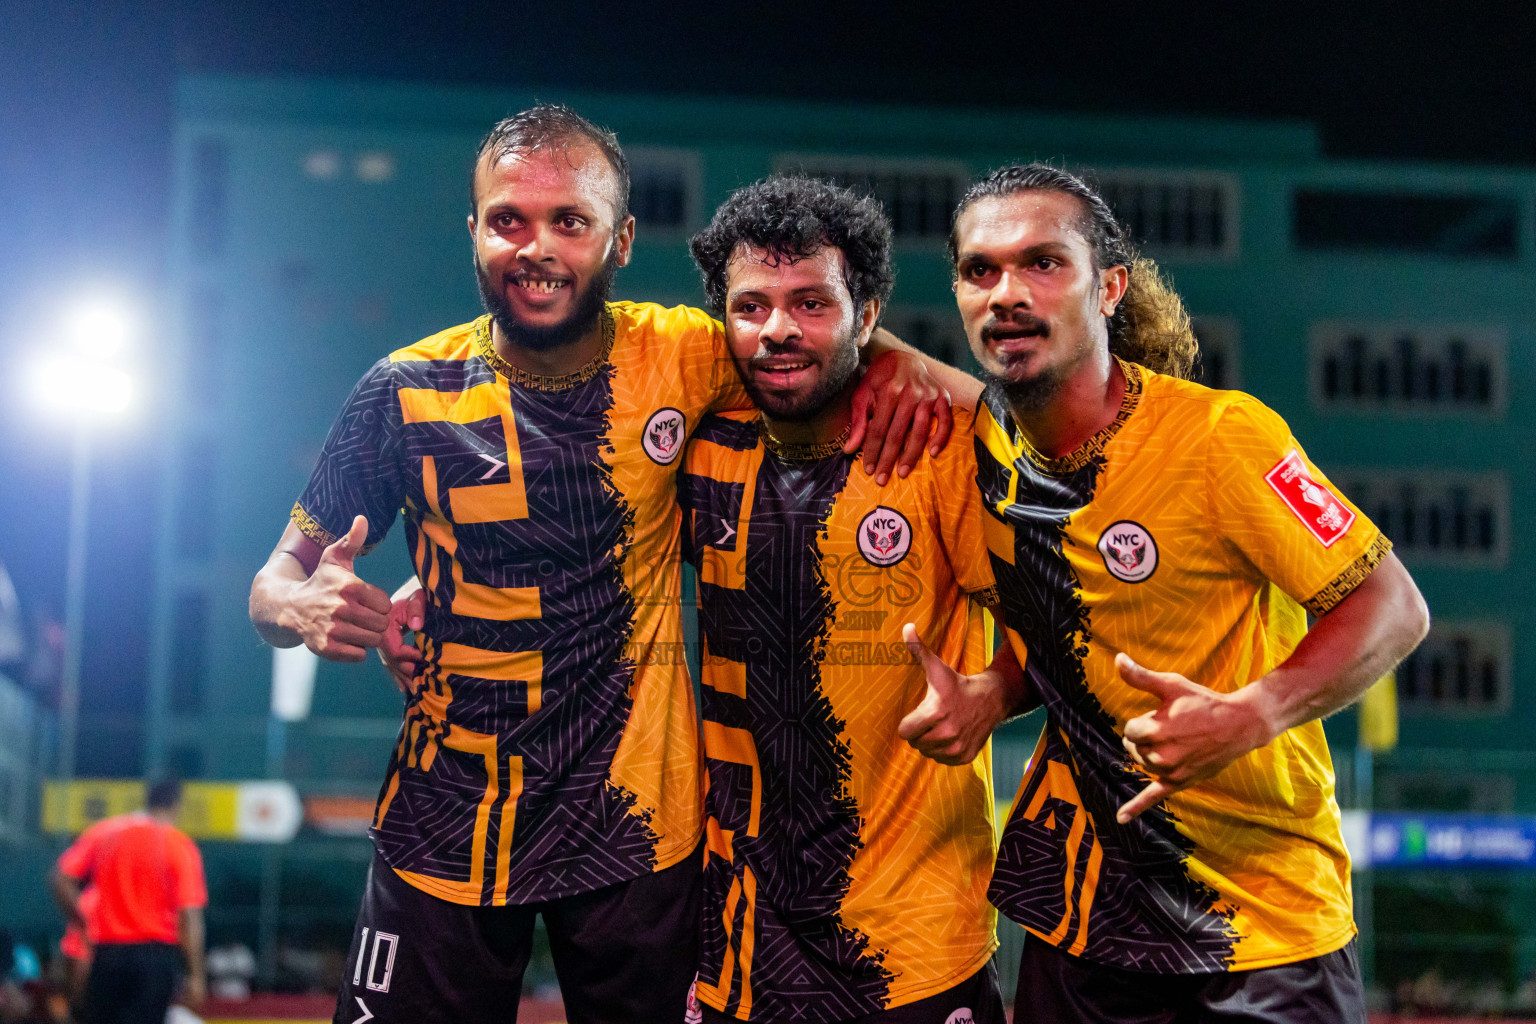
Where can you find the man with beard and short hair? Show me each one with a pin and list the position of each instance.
(523, 325)
(548, 762)
(1174, 850)
(846, 875)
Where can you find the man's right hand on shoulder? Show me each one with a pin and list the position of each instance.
(332, 611)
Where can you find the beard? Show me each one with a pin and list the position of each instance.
(1031, 394)
(797, 407)
(584, 314)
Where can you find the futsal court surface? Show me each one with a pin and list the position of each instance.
(275, 1009)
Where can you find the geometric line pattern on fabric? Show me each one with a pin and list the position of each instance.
(1114, 894)
(518, 534)
(783, 828)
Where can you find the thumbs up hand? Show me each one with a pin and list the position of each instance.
(338, 615)
(958, 712)
(1194, 733)
(343, 551)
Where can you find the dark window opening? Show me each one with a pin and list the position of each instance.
(1410, 370)
(919, 203)
(1464, 519)
(1458, 669)
(1438, 225)
(658, 197)
(1162, 214)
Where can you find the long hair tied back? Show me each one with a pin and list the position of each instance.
(1150, 327)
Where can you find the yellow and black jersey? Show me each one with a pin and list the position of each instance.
(845, 872)
(550, 745)
(1190, 533)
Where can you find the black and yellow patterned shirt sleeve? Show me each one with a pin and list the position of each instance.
(1270, 502)
(957, 508)
(357, 472)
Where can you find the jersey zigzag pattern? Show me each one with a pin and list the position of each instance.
(1162, 538)
(548, 745)
(845, 873)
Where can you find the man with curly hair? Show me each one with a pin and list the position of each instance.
(1174, 850)
(845, 876)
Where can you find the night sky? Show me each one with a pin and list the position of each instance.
(85, 120)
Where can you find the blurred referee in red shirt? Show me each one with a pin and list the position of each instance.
(152, 893)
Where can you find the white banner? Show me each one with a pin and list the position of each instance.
(293, 682)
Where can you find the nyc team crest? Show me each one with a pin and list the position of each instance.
(1129, 552)
(663, 436)
(885, 537)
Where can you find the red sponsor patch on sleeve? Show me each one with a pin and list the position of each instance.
(1318, 508)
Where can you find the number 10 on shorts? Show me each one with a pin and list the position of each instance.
(380, 960)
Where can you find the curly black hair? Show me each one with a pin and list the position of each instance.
(792, 217)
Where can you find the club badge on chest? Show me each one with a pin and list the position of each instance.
(884, 536)
(1129, 552)
(663, 436)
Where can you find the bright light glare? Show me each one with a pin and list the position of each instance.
(81, 386)
(101, 327)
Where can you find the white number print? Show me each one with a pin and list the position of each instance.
(375, 982)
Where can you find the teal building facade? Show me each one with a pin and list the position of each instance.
(1384, 309)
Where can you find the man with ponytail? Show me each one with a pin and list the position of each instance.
(1174, 851)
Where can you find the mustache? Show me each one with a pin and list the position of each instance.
(778, 354)
(1023, 324)
(531, 273)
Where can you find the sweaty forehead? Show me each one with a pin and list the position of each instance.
(1020, 221)
(753, 269)
(579, 171)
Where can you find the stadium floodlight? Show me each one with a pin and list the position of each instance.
(81, 378)
(82, 374)
(102, 326)
(78, 385)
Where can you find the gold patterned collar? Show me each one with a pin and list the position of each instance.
(1094, 446)
(790, 452)
(538, 381)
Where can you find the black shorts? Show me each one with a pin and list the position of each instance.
(1056, 986)
(976, 1000)
(623, 953)
(131, 983)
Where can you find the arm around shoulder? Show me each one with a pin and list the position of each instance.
(902, 406)
(964, 390)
